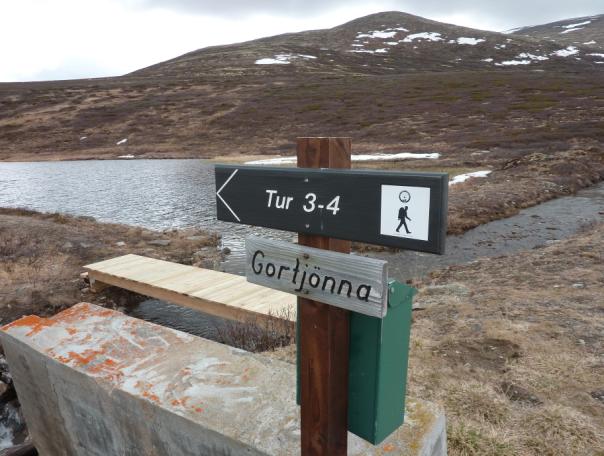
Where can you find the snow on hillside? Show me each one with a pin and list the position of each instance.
(470, 41)
(570, 50)
(358, 157)
(283, 59)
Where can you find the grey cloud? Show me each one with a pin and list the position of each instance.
(511, 12)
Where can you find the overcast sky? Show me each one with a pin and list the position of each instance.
(64, 39)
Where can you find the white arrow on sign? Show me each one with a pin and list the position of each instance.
(222, 199)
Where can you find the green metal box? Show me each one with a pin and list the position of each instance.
(379, 353)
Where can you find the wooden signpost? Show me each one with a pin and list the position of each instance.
(405, 210)
(330, 207)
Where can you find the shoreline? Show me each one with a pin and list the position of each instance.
(43, 255)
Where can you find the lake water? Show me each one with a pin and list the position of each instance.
(158, 194)
(163, 194)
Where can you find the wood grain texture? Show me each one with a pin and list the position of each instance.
(217, 293)
(351, 282)
(324, 332)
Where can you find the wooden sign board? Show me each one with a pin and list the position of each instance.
(350, 282)
(405, 210)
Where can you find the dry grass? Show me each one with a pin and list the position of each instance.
(41, 256)
(258, 335)
(512, 347)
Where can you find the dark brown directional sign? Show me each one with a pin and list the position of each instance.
(406, 210)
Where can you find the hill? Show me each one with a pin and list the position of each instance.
(383, 43)
(587, 32)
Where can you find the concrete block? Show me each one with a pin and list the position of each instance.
(94, 382)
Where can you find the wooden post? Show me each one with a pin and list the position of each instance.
(324, 331)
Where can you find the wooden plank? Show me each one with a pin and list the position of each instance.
(213, 292)
(355, 283)
(324, 332)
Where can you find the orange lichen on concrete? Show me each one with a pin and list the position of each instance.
(34, 322)
(151, 396)
(389, 448)
(86, 357)
(78, 312)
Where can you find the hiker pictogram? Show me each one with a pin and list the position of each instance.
(405, 212)
(405, 197)
(403, 217)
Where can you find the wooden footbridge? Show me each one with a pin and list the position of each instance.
(218, 293)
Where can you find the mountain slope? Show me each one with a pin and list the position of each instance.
(392, 81)
(383, 43)
(580, 31)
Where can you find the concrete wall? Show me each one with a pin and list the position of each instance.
(96, 382)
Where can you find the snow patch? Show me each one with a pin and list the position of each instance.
(377, 34)
(590, 42)
(121, 141)
(83, 138)
(500, 46)
(571, 30)
(381, 51)
(362, 51)
(470, 41)
(361, 157)
(514, 62)
(271, 62)
(489, 60)
(579, 24)
(570, 50)
(428, 36)
(597, 55)
(283, 59)
(382, 34)
(129, 156)
(464, 177)
(527, 55)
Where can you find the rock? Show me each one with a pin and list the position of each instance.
(598, 395)
(226, 251)
(23, 449)
(578, 285)
(196, 238)
(84, 290)
(85, 245)
(67, 246)
(120, 244)
(3, 389)
(517, 393)
(160, 242)
(7, 392)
